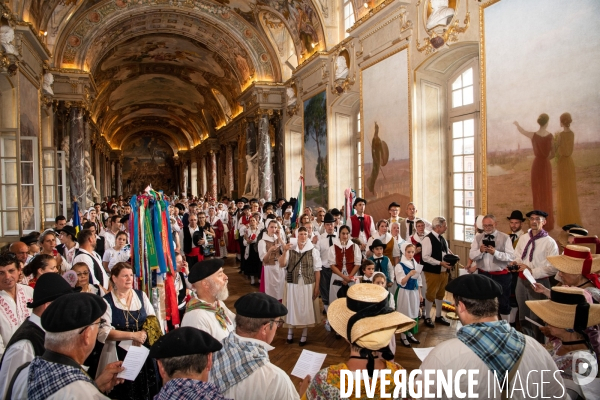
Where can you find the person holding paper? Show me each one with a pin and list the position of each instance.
(269, 250)
(492, 251)
(490, 346)
(242, 370)
(130, 318)
(185, 357)
(531, 252)
(208, 311)
(72, 324)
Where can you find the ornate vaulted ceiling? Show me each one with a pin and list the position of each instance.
(175, 68)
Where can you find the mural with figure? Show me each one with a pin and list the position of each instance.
(147, 160)
(315, 150)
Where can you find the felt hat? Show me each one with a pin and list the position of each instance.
(184, 341)
(259, 305)
(393, 204)
(253, 200)
(376, 243)
(363, 317)
(329, 219)
(578, 232)
(68, 230)
(358, 200)
(568, 227)
(73, 311)
(567, 308)
(267, 205)
(537, 212)
(243, 200)
(576, 260)
(204, 269)
(451, 259)
(474, 286)
(516, 214)
(50, 287)
(335, 212)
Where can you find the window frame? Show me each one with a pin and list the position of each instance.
(345, 17)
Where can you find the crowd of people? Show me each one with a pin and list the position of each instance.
(70, 306)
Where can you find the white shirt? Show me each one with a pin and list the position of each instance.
(357, 254)
(385, 238)
(318, 228)
(412, 264)
(544, 247)
(426, 250)
(428, 226)
(68, 257)
(135, 305)
(109, 239)
(485, 261)
(262, 247)
(323, 246)
(113, 256)
(207, 322)
(455, 355)
(73, 391)
(269, 382)
(16, 355)
(12, 314)
(85, 258)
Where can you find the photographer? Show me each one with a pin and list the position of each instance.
(492, 252)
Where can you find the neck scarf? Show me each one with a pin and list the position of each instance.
(189, 389)
(46, 378)
(497, 344)
(219, 311)
(542, 233)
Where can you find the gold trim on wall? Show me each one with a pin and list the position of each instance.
(362, 118)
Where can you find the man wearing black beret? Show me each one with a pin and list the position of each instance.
(208, 311)
(242, 369)
(490, 346)
(71, 323)
(28, 340)
(184, 357)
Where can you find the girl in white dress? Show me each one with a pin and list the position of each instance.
(269, 250)
(408, 296)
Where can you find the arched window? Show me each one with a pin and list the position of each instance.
(348, 16)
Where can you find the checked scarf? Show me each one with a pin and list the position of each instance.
(236, 361)
(220, 315)
(46, 378)
(542, 233)
(497, 344)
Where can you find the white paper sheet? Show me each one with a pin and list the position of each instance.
(309, 363)
(125, 344)
(422, 353)
(133, 362)
(528, 275)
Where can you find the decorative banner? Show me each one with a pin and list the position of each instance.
(315, 151)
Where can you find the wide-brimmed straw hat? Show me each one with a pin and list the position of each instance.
(567, 309)
(576, 260)
(375, 325)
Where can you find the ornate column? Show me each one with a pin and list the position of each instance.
(213, 174)
(203, 180)
(77, 155)
(229, 166)
(265, 172)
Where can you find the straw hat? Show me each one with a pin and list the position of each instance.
(567, 305)
(574, 259)
(370, 332)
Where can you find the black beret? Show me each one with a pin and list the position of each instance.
(50, 287)
(474, 286)
(329, 219)
(537, 212)
(204, 269)
(359, 200)
(451, 259)
(393, 204)
(184, 341)
(259, 305)
(72, 311)
(243, 200)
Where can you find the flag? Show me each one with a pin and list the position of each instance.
(350, 196)
(299, 203)
(76, 219)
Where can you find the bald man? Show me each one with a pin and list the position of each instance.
(21, 250)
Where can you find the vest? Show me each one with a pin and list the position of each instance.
(339, 258)
(28, 331)
(385, 267)
(97, 267)
(436, 252)
(388, 250)
(187, 239)
(272, 258)
(118, 316)
(417, 256)
(500, 241)
(356, 226)
(412, 284)
(297, 266)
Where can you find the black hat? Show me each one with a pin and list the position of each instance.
(204, 269)
(565, 228)
(329, 219)
(253, 200)
(180, 206)
(358, 200)
(184, 341)
(393, 204)
(578, 232)
(474, 286)
(246, 207)
(124, 219)
(537, 212)
(267, 204)
(72, 311)
(29, 239)
(516, 214)
(279, 199)
(376, 243)
(242, 200)
(69, 230)
(335, 211)
(50, 287)
(259, 305)
(451, 259)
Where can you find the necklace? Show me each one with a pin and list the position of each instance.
(127, 313)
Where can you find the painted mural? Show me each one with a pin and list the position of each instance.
(315, 151)
(386, 132)
(543, 146)
(147, 160)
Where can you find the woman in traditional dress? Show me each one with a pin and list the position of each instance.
(117, 254)
(344, 260)
(391, 249)
(41, 264)
(83, 280)
(302, 264)
(567, 204)
(269, 250)
(232, 244)
(47, 243)
(252, 263)
(129, 318)
(209, 246)
(219, 239)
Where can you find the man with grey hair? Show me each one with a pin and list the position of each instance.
(208, 311)
(492, 251)
(71, 323)
(435, 269)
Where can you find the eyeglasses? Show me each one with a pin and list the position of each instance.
(279, 322)
(84, 273)
(102, 321)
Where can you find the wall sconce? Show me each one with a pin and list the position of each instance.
(366, 5)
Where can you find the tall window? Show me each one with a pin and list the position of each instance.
(348, 16)
(9, 196)
(462, 89)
